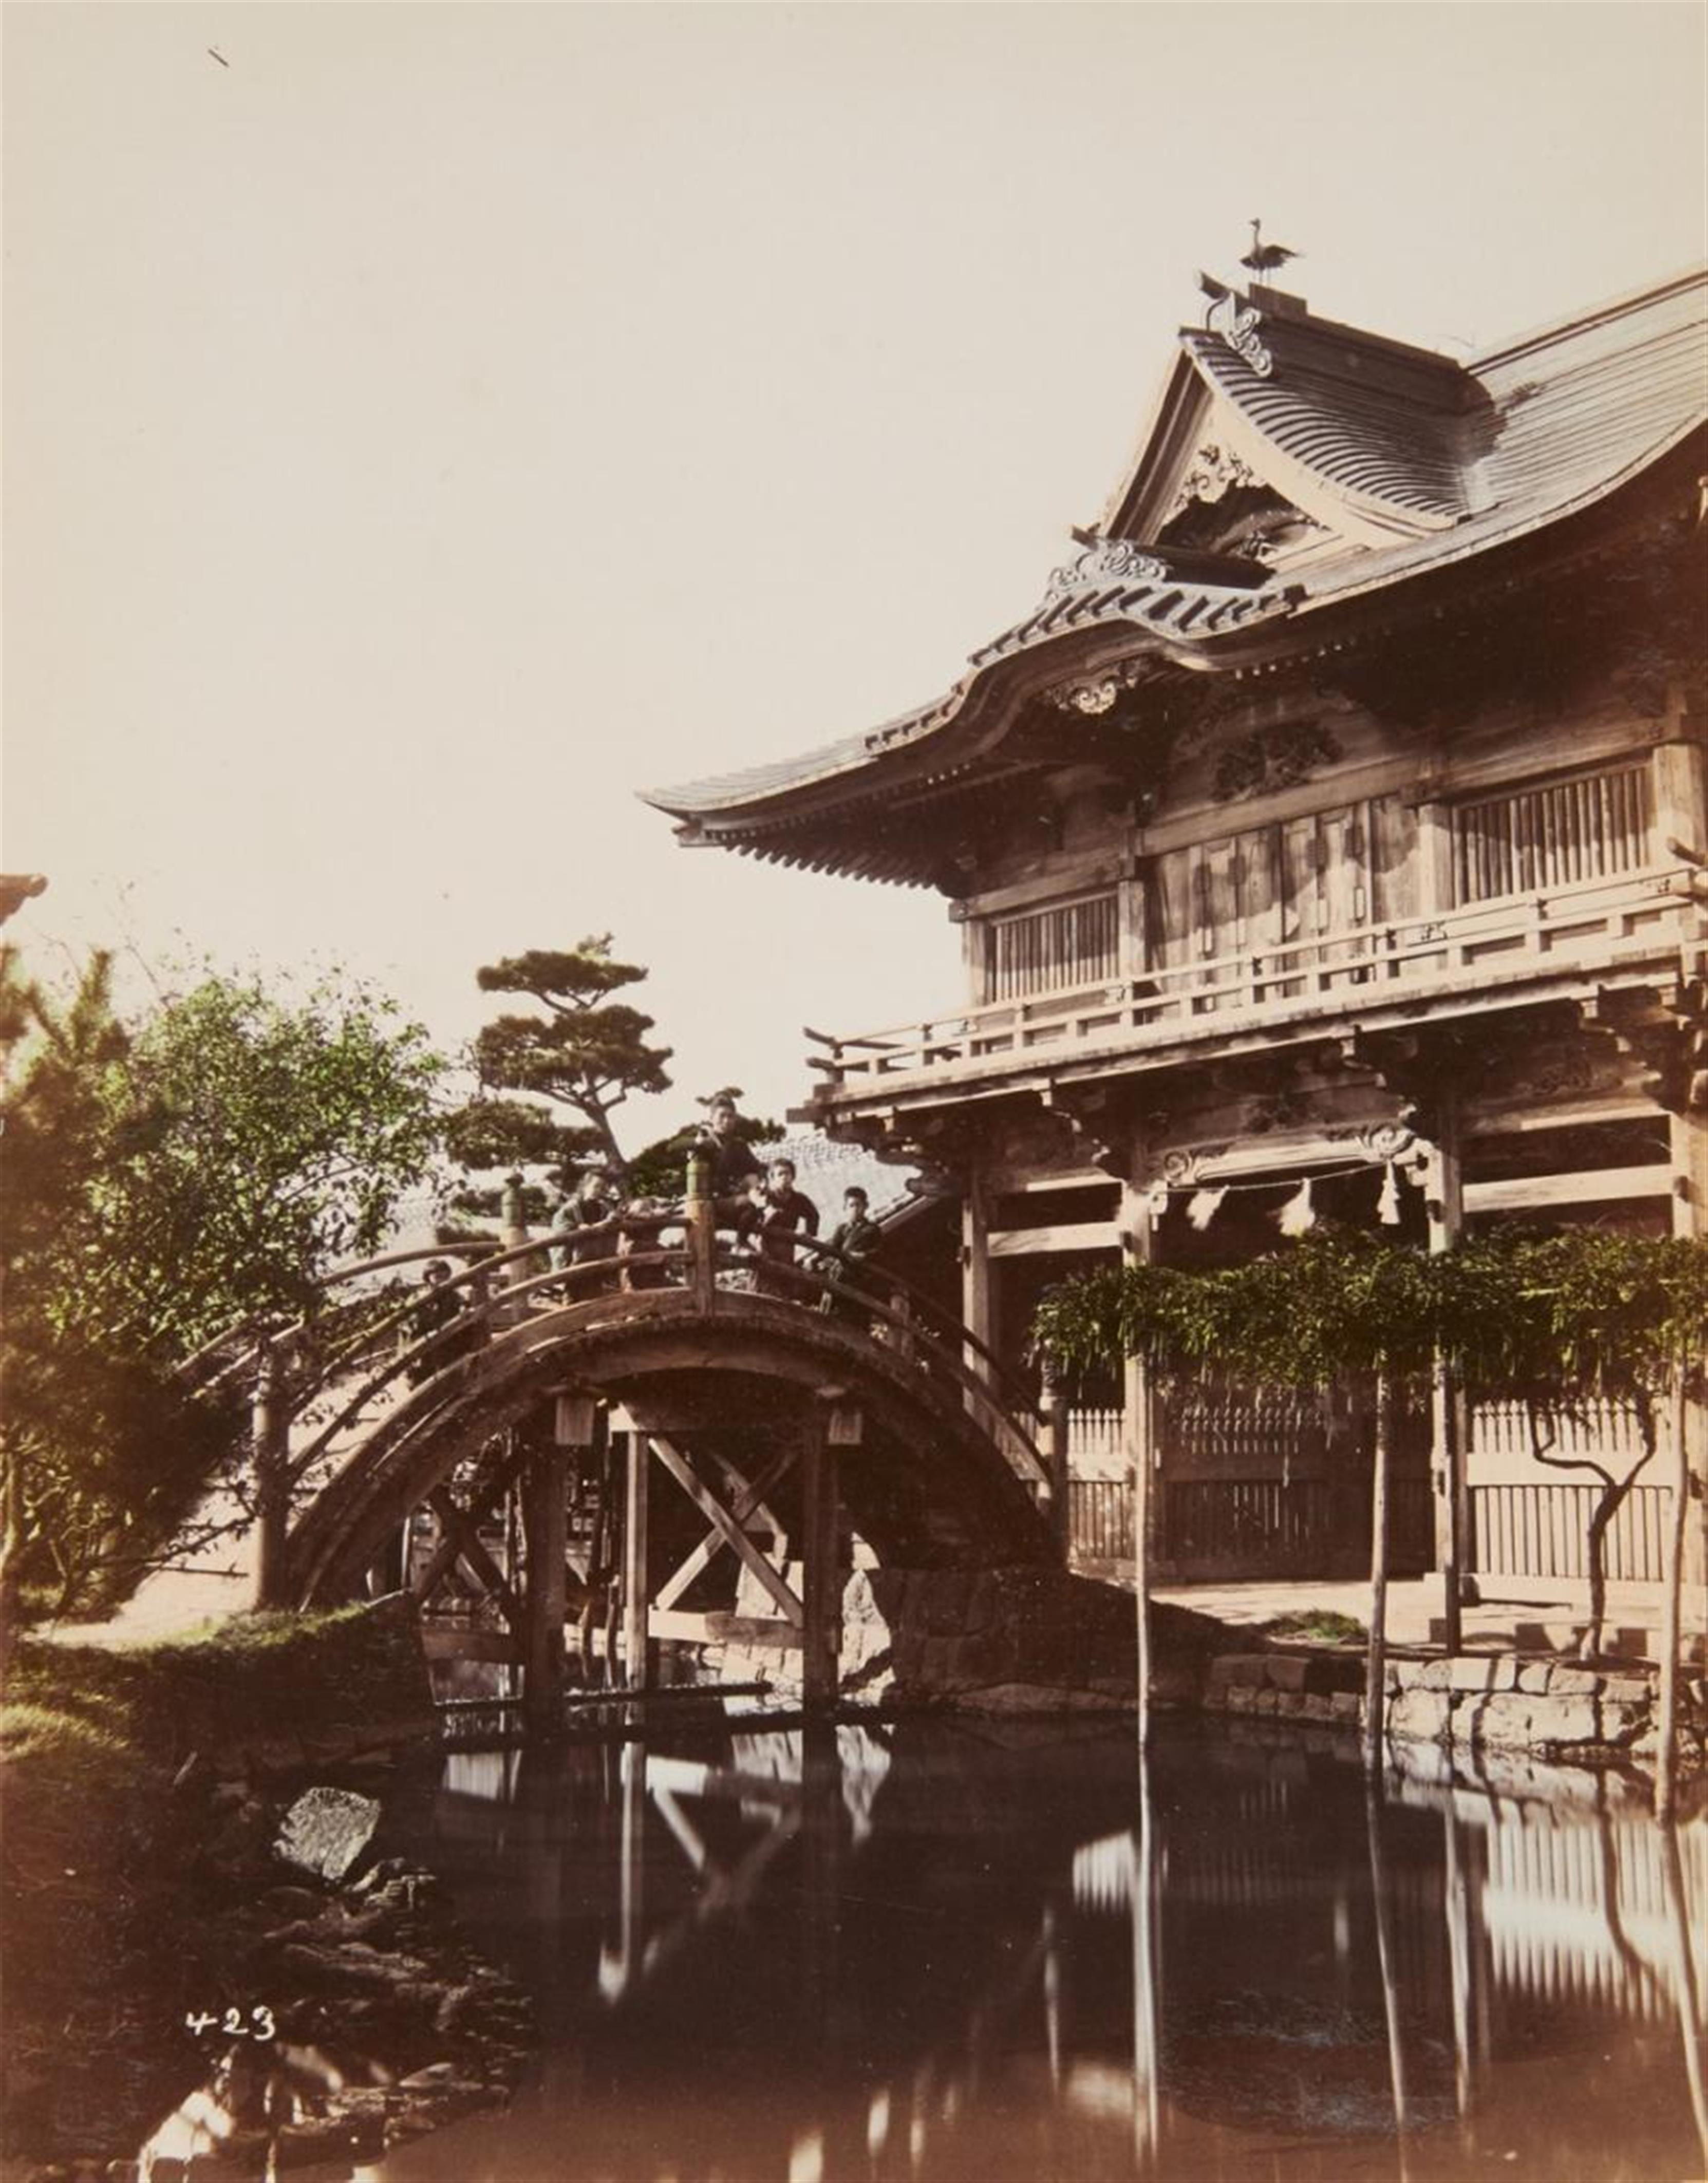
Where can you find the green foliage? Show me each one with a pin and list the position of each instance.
(1545, 1318)
(1326, 1625)
(261, 1143)
(586, 1053)
(159, 1185)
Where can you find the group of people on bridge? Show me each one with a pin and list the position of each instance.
(774, 1224)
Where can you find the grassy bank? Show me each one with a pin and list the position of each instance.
(130, 1821)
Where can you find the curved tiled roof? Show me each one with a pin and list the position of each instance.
(1396, 453)
(1407, 460)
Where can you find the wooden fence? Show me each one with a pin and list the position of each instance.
(1253, 1526)
(1543, 1530)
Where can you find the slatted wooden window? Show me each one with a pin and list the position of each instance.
(1046, 950)
(1538, 838)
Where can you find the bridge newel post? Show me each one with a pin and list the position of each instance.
(1053, 1404)
(701, 1214)
(637, 1599)
(836, 1424)
(270, 1445)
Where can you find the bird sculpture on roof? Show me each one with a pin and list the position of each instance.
(1266, 257)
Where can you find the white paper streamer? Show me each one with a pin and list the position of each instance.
(1203, 1206)
(1298, 1214)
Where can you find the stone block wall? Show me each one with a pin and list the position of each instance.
(1005, 1640)
(1474, 1701)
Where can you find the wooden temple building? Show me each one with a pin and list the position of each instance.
(1330, 842)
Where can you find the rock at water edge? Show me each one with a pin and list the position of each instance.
(325, 1830)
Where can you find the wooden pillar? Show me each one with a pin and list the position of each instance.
(1133, 939)
(975, 1296)
(835, 1426)
(271, 1442)
(975, 955)
(1445, 1197)
(636, 1603)
(545, 1528)
(1436, 883)
(1138, 1244)
(1681, 799)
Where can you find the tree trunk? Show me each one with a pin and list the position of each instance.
(1375, 1666)
(12, 1542)
(1672, 1602)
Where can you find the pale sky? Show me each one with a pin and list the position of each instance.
(436, 423)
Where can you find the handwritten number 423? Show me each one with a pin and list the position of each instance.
(231, 2025)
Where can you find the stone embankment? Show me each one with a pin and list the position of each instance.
(1036, 1641)
(1473, 1701)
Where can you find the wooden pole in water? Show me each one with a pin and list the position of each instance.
(1673, 1600)
(1136, 1245)
(636, 1659)
(1054, 1395)
(1376, 1662)
(1444, 1194)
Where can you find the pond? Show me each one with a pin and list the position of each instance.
(932, 1950)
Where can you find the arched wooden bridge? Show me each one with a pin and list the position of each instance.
(611, 1441)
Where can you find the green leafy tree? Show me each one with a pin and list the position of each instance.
(160, 1184)
(584, 1056)
(1331, 1308)
(1558, 1322)
(261, 1141)
(101, 1452)
(1552, 1321)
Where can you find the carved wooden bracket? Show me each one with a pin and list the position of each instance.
(1664, 1030)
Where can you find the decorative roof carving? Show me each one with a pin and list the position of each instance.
(1236, 323)
(1108, 561)
(1214, 471)
(1098, 693)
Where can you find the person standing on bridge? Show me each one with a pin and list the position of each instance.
(438, 1306)
(852, 1242)
(586, 1229)
(730, 1159)
(783, 1213)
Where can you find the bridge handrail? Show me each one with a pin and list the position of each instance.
(944, 1354)
(486, 1260)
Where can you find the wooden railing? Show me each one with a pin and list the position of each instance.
(1593, 922)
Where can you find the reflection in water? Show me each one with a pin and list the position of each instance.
(923, 1952)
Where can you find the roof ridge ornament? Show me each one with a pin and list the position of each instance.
(1236, 322)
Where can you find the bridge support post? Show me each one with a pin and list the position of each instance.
(836, 1425)
(636, 1605)
(545, 1531)
(271, 1431)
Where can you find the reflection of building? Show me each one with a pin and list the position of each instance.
(1332, 837)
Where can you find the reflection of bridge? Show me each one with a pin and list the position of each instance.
(499, 1449)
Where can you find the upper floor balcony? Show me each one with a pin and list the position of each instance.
(1067, 1002)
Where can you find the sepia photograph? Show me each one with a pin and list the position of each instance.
(853, 1092)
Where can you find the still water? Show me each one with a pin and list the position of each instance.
(919, 1950)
